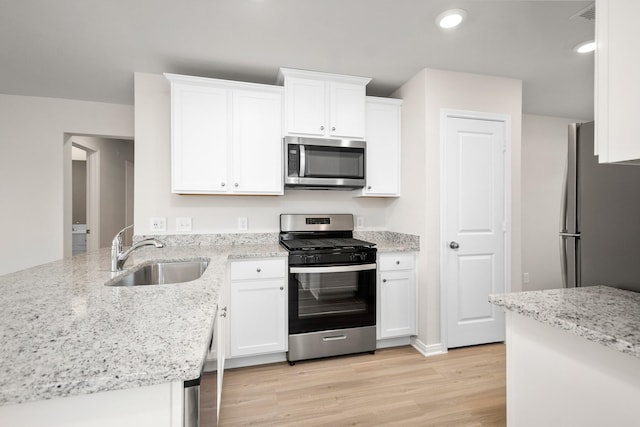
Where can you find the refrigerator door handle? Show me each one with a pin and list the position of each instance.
(569, 216)
(563, 259)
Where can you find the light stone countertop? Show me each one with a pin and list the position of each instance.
(602, 314)
(64, 333)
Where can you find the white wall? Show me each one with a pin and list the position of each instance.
(544, 153)
(32, 171)
(215, 213)
(424, 97)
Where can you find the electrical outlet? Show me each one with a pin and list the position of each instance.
(183, 223)
(158, 224)
(359, 221)
(525, 278)
(243, 223)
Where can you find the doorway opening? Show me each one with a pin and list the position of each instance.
(98, 191)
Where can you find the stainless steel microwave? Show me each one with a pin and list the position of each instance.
(315, 163)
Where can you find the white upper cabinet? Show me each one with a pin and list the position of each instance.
(226, 137)
(200, 135)
(383, 147)
(257, 142)
(324, 105)
(617, 70)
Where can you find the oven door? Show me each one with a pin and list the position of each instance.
(331, 297)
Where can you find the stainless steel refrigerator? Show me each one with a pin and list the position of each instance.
(600, 220)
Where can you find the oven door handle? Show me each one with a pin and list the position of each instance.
(334, 269)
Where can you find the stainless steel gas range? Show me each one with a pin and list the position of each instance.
(332, 287)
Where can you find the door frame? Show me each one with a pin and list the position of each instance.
(474, 115)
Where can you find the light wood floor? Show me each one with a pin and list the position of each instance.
(396, 386)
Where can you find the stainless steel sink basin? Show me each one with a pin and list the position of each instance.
(162, 272)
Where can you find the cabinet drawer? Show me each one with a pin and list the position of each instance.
(258, 269)
(400, 261)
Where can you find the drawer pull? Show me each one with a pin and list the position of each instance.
(282, 288)
(384, 280)
(334, 338)
(397, 262)
(258, 270)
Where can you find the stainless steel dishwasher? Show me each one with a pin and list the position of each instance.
(192, 403)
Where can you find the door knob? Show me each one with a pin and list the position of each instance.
(454, 245)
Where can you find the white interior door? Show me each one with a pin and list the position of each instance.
(474, 229)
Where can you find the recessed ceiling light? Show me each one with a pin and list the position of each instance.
(585, 47)
(451, 18)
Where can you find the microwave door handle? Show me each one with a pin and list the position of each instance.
(303, 161)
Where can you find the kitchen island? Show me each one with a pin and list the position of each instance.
(573, 357)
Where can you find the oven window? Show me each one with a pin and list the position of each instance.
(329, 294)
(334, 162)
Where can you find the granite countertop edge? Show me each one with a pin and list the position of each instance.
(604, 315)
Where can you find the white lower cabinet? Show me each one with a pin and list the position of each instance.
(257, 307)
(396, 308)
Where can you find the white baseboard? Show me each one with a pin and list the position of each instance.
(393, 342)
(262, 359)
(427, 350)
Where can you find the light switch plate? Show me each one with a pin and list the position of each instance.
(183, 223)
(158, 223)
(359, 221)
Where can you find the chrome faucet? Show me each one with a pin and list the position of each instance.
(119, 257)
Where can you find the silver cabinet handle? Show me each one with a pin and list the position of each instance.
(397, 262)
(333, 128)
(454, 245)
(224, 308)
(321, 127)
(235, 185)
(282, 288)
(258, 270)
(384, 280)
(369, 187)
(222, 184)
(223, 314)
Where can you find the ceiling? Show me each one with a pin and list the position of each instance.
(89, 49)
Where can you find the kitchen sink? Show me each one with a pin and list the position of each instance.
(161, 272)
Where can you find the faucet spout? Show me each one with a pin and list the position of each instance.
(119, 257)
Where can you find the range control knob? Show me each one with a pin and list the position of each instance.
(358, 257)
(310, 259)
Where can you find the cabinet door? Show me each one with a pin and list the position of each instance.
(258, 317)
(617, 70)
(346, 110)
(383, 148)
(201, 130)
(397, 304)
(257, 142)
(305, 107)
